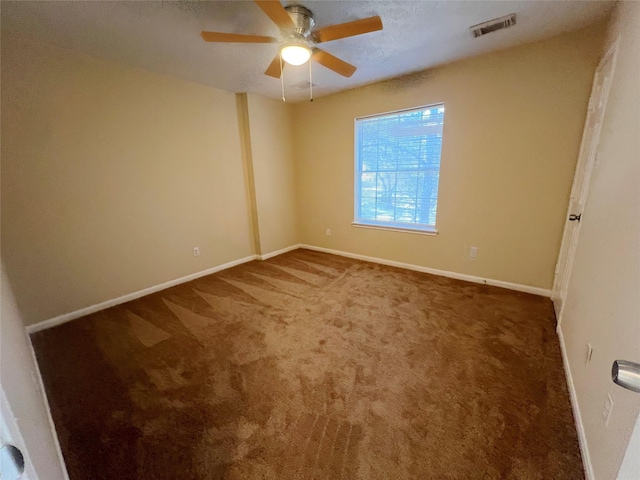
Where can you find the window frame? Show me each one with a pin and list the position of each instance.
(422, 229)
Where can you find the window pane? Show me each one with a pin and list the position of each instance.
(385, 190)
(368, 195)
(369, 157)
(398, 167)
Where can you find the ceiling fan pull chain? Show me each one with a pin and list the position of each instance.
(282, 77)
(310, 83)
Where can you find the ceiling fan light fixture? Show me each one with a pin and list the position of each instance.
(295, 53)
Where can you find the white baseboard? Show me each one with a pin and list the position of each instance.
(278, 252)
(443, 273)
(67, 317)
(582, 438)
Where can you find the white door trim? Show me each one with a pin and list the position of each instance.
(582, 178)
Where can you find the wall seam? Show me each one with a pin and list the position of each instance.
(247, 161)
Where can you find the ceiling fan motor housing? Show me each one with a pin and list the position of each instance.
(302, 20)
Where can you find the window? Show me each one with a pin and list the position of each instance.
(398, 168)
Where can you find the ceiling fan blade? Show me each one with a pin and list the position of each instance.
(235, 37)
(349, 29)
(273, 70)
(276, 12)
(333, 63)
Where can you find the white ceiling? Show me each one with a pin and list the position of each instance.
(164, 36)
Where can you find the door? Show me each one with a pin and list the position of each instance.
(584, 167)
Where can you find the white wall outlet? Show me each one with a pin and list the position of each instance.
(589, 353)
(473, 252)
(607, 409)
(328, 232)
(196, 251)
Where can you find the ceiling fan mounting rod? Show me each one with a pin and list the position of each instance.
(302, 20)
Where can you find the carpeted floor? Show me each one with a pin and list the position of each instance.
(313, 366)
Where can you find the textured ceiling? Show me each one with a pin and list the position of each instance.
(164, 36)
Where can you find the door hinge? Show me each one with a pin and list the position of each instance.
(575, 218)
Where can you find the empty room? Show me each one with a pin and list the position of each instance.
(320, 240)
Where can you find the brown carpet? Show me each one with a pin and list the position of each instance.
(313, 366)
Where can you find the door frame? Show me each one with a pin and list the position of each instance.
(580, 188)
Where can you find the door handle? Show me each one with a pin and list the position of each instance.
(626, 374)
(575, 218)
(11, 462)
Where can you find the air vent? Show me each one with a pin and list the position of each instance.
(493, 25)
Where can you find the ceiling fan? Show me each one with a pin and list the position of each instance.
(296, 23)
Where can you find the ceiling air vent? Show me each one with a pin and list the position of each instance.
(493, 25)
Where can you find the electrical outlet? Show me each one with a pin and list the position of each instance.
(328, 232)
(589, 353)
(607, 409)
(196, 251)
(473, 252)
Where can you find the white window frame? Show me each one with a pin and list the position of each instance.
(422, 229)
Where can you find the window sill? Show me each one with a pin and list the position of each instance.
(395, 229)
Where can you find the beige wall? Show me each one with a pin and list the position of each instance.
(602, 305)
(511, 136)
(110, 176)
(271, 131)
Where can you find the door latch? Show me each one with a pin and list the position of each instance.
(574, 218)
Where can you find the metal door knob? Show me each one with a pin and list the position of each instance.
(626, 374)
(11, 462)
